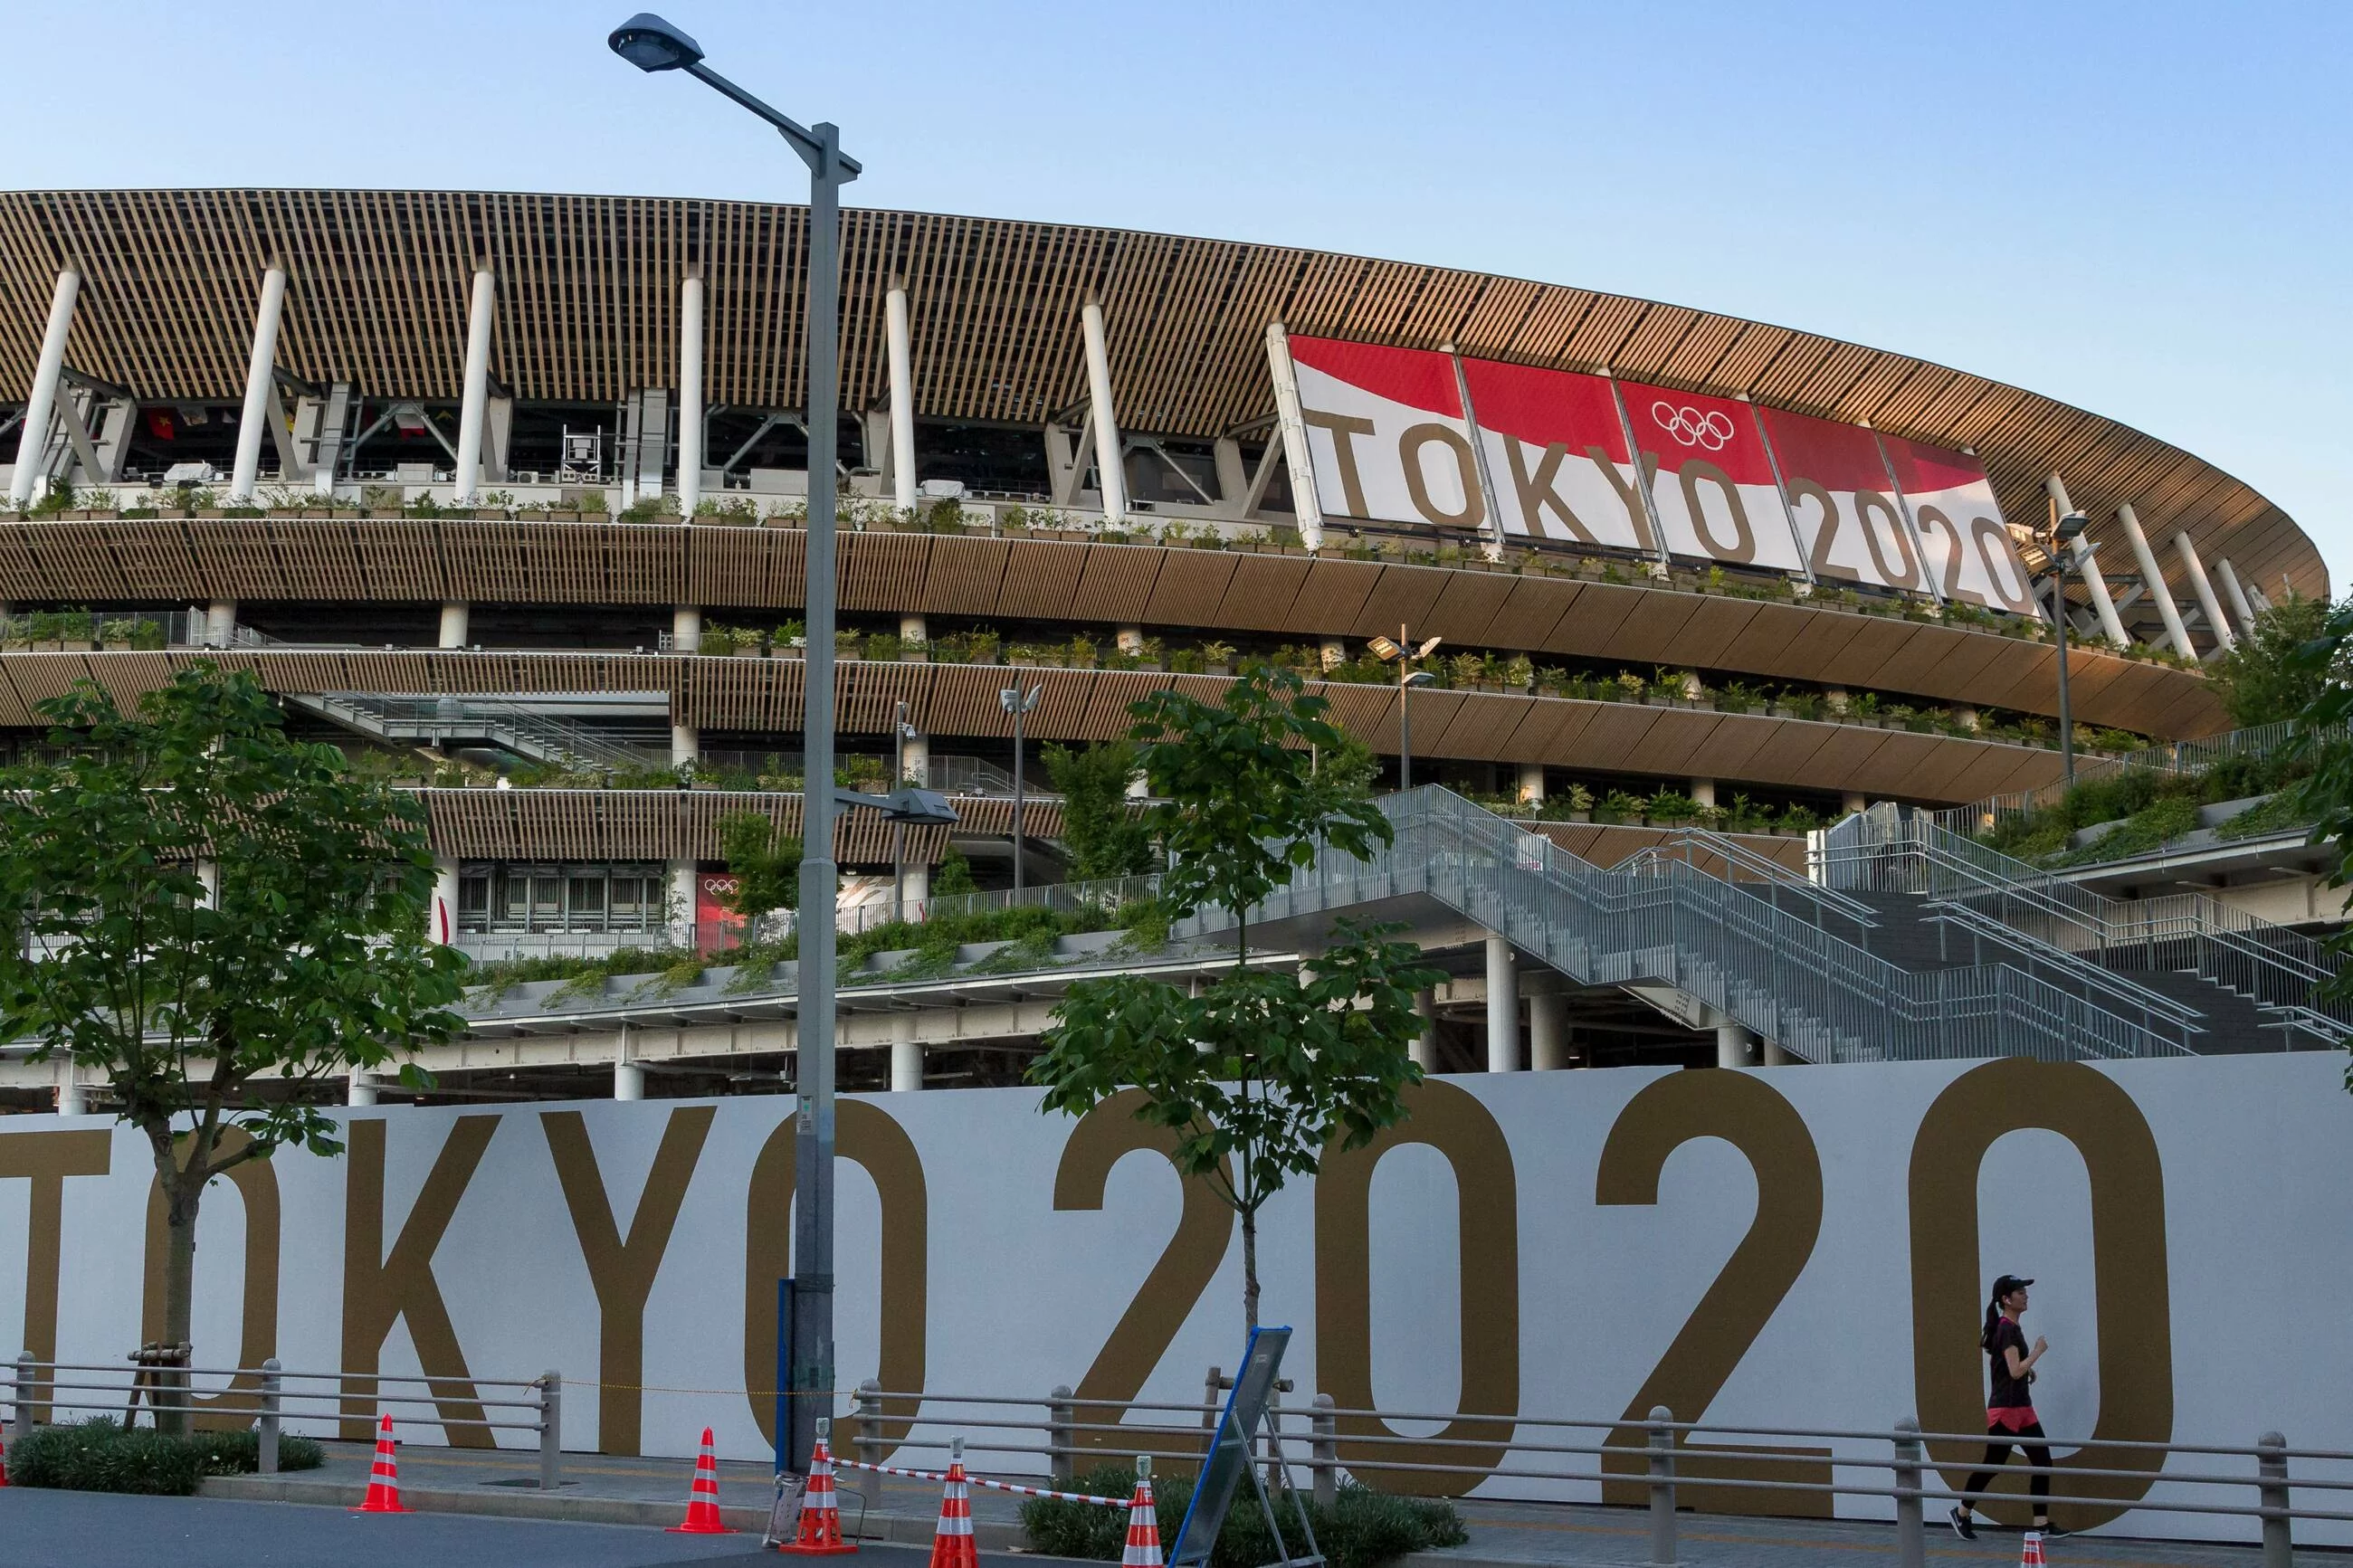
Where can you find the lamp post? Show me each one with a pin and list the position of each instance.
(1405, 656)
(2061, 530)
(1016, 701)
(650, 44)
(901, 733)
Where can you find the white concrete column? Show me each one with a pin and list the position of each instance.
(1503, 1008)
(1109, 461)
(2223, 638)
(1852, 801)
(628, 1080)
(255, 419)
(914, 630)
(1532, 783)
(457, 622)
(1547, 1031)
(685, 744)
(1702, 792)
(685, 630)
(2236, 594)
(906, 1054)
(1332, 652)
(689, 395)
(2152, 580)
(1731, 1045)
(359, 1089)
(915, 890)
(1775, 1055)
(220, 623)
(2087, 568)
(1424, 1048)
(442, 919)
(917, 758)
(73, 1095)
(681, 903)
(902, 397)
(33, 439)
(478, 385)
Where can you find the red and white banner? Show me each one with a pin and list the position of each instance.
(1387, 435)
(1962, 534)
(1842, 498)
(1557, 455)
(1710, 477)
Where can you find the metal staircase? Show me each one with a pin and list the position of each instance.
(510, 726)
(1754, 958)
(2213, 957)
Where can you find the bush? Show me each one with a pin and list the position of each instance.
(1362, 1528)
(102, 1456)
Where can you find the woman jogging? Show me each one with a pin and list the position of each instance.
(2010, 1421)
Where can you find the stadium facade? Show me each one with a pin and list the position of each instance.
(512, 481)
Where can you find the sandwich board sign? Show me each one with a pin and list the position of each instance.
(1229, 1460)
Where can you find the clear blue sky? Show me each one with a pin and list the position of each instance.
(2145, 209)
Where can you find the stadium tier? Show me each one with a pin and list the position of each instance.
(503, 493)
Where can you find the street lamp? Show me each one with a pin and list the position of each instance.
(901, 733)
(1405, 656)
(2061, 530)
(1016, 701)
(650, 44)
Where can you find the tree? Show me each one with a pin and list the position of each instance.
(203, 908)
(2264, 679)
(765, 862)
(1263, 1072)
(952, 875)
(1105, 837)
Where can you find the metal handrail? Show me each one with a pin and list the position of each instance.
(563, 742)
(1738, 858)
(1781, 976)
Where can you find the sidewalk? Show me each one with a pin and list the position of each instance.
(604, 1489)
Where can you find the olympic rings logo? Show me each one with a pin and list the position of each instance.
(1711, 430)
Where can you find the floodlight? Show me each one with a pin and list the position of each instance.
(1424, 650)
(1422, 677)
(1384, 649)
(2072, 526)
(917, 807)
(1013, 699)
(650, 44)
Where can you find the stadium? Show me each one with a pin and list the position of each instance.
(1711, 631)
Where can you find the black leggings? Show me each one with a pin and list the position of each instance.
(2000, 1441)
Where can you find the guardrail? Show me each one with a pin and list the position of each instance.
(1653, 1461)
(36, 1390)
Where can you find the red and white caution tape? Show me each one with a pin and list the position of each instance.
(981, 1481)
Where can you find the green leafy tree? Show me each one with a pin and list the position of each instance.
(2266, 678)
(953, 874)
(1263, 1072)
(219, 920)
(1106, 838)
(765, 862)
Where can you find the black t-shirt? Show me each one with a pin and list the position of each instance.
(2008, 1393)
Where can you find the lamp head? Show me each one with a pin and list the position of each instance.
(2072, 526)
(650, 44)
(1383, 648)
(1425, 650)
(1422, 677)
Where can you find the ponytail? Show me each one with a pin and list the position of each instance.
(1992, 1324)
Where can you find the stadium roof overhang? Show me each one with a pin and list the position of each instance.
(589, 299)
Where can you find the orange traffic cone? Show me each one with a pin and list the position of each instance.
(820, 1529)
(1143, 1520)
(702, 1505)
(2029, 1555)
(384, 1480)
(952, 1544)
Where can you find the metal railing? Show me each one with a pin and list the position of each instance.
(2185, 759)
(37, 1390)
(1653, 1461)
(1776, 973)
(1727, 859)
(437, 720)
(1888, 848)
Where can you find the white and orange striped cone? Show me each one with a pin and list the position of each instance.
(703, 1503)
(1143, 1520)
(2030, 1554)
(952, 1543)
(820, 1527)
(384, 1479)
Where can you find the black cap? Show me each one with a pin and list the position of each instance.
(2007, 1283)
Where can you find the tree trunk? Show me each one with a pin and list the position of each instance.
(181, 1196)
(1249, 1268)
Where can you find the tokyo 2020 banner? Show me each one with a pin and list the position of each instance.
(1801, 1247)
(1391, 437)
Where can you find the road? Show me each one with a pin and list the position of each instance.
(41, 1529)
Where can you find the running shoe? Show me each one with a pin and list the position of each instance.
(1961, 1524)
